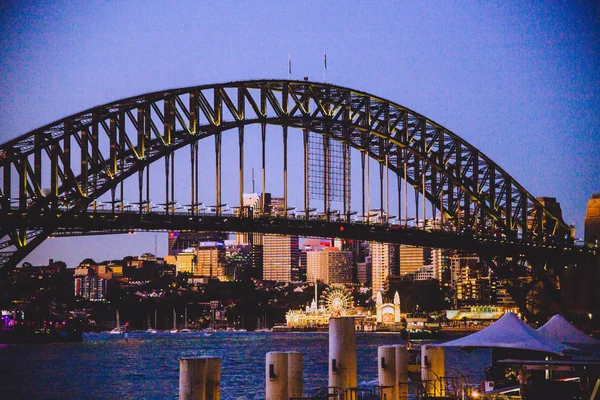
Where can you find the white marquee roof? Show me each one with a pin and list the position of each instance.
(560, 330)
(509, 332)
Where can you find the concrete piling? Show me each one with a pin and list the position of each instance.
(433, 369)
(342, 353)
(200, 378)
(386, 367)
(401, 353)
(276, 376)
(295, 374)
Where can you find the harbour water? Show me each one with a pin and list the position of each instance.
(146, 366)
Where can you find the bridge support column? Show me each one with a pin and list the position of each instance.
(200, 378)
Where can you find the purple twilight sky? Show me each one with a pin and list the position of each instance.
(518, 79)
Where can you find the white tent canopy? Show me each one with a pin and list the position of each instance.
(512, 333)
(560, 330)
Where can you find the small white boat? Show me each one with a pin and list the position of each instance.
(151, 330)
(118, 329)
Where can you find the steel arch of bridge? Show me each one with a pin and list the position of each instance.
(116, 140)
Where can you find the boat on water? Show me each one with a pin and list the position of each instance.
(150, 328)
(117, 330)
(174, 330)
(208, 331)
(261, 325)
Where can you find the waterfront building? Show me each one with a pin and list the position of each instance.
(388, 313)
(281, 258)
(484, 314)
(329, 265)
(311, 317)
(592, 221)
(336, 302)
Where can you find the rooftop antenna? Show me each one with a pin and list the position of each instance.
(289, 66)
(253, 180)
(325, 68)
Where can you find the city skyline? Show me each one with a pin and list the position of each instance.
(519, 82)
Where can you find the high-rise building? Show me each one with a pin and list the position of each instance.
(91, 287)
(592, 221)
(382, 260)
(239, 260)
(186, 262)
(470, 281)
(254, 205)
(411, 259)
(210, 260)
(281, 258)
(439, 260)
(329, 266)
(303, 266)
(364, 271)
(257, 261)
(179, 241)
(276, 207)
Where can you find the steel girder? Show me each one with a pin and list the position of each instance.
(116, 140)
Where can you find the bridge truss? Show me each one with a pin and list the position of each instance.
(60, 171)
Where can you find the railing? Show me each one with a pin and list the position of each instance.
(353, 393)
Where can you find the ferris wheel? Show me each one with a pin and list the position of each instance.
(337, 300)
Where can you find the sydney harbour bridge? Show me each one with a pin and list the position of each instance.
(156, 162)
